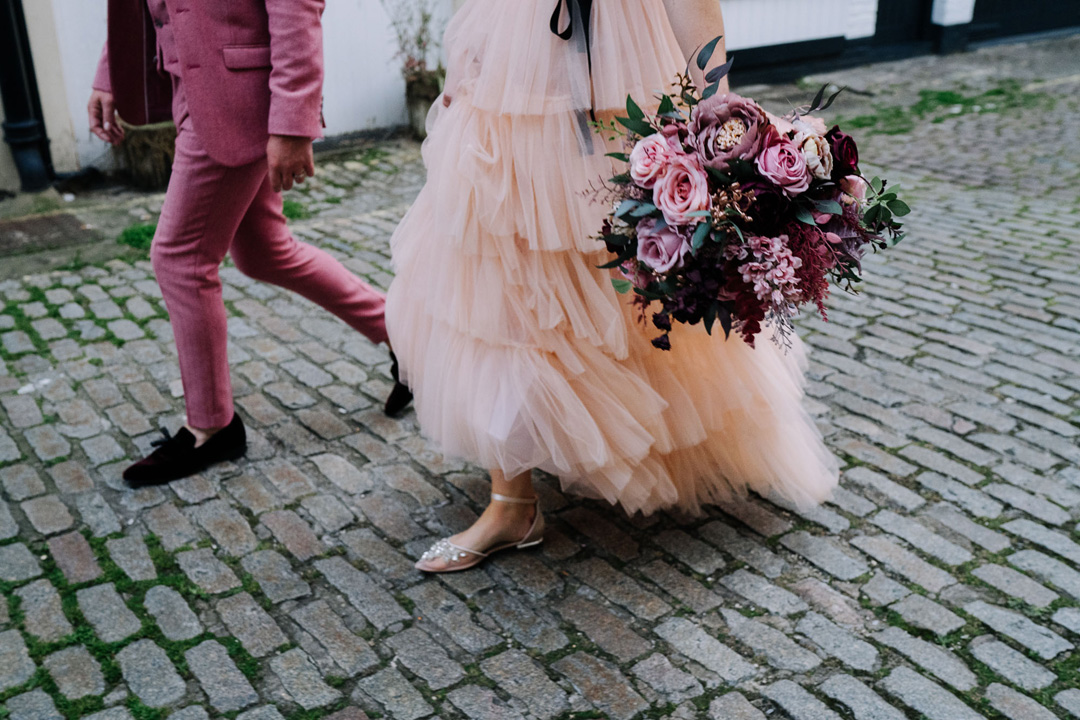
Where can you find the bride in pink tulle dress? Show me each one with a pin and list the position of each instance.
(520, 353)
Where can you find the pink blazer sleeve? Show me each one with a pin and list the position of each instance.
(102, 81)
(296, 76)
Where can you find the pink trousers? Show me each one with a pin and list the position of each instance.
(211, 210)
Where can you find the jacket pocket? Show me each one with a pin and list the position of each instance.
(246, 57)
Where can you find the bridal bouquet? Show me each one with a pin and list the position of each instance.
(729, 214)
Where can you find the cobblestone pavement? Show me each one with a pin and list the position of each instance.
(943, 580)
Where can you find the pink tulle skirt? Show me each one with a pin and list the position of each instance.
(520, 353)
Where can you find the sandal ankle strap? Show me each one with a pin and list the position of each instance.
(514, 500)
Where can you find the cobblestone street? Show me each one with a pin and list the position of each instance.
(941, 582)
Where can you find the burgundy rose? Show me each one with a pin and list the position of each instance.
(771, 206)
(845, 153)
(727, 127)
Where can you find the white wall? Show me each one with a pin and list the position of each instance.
(759, 23)
(955, 12)
(80, 35)
(364, 88)
(861, 19)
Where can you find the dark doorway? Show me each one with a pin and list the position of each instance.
(1000, 18)
(903, 21)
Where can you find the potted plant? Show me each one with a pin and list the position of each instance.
(414, 23)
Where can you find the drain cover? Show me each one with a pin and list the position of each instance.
(43, 232)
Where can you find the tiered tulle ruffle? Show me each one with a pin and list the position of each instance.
(519, 351)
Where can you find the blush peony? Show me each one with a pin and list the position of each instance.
(727, 127)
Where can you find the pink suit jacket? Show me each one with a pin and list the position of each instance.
(250, 68)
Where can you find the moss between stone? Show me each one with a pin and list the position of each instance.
(937, 106)
(105, 653)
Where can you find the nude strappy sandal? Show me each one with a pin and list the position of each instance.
(457, 558)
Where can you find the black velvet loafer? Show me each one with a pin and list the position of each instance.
(177, 457)
(401, 395)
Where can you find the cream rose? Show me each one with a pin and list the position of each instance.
(816, 152)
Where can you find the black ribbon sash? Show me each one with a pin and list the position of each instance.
(585, 13)
(575, 10)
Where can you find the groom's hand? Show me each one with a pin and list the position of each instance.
(103, 122)
(289, 160)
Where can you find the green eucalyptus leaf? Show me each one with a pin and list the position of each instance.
(621, 286)
(899, 208)
(726, 320)
(637, 126)
(805, 216)
(829, 207)
(626, 206)
(872, 215)
(706, 53)
(710, 317)
(702, 232)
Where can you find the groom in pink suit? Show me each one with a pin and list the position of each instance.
(245, 82)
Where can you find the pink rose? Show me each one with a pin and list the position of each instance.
(662, 249)
(783, 164)
(649, 159)
(682, 190)
(854, 188)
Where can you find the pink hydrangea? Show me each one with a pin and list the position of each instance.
(771, 270)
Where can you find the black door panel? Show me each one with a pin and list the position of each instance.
(999, 18)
